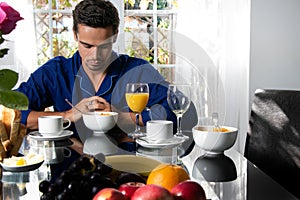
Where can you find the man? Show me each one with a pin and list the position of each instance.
(94, 78)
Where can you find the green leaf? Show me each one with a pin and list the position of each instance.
(13, 99)
(8, 79)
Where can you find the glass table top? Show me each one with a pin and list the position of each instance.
(223, 177)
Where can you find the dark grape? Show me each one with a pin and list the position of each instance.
(65, 195)
(86, 187)
(66, 175)
(103, 169)
(101, 181)
(96, 189)
(82, 180)
(44, 186)
(77, 176)
(87, 175)
(47, 197)
(75, 166)
(54, 189)
(97, 178)
(85, 163)
(60, 182)
(74, 187)
(126, 177)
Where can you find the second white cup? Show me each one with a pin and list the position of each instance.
(52, 125)
(159, 130)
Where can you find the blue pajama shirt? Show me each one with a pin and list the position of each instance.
(63, 78)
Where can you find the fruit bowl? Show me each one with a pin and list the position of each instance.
(212, 141)
(132, 163)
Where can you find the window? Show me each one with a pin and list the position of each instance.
(53, 23)
(148, 27)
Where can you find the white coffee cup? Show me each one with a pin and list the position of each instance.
(159, 130)
(52, 125)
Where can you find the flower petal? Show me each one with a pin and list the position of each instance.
(2, 14)
(8, 18)
(11, 13)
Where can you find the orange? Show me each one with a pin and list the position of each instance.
(167, 175)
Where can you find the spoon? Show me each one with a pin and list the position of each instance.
(73, 106)
(215, 119)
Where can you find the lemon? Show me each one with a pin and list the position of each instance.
(21, 162)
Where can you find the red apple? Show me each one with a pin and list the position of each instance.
(129, 188)
(188, 190)
(109, 194)
(152, 192)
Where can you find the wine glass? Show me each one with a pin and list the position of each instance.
(137, 95)
(178, 97)
(179, 101)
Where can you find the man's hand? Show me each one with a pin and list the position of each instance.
(98, 103)
(88, 105)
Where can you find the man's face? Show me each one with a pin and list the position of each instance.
(94, 46)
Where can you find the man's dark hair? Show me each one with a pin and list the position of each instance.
(96, 14)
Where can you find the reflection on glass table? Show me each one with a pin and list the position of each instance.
(214, 168)
(23, 185)
(166, 155)
(250, 182)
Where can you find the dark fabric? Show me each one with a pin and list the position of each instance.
(63, 78)
(273, 139)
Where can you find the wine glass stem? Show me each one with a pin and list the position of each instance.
(137, 127)
(179, 130)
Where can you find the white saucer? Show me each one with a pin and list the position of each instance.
(25, 168)
(170, 143)
(38, 136)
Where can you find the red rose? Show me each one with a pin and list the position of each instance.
(8, 18)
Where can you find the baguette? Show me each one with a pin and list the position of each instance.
(7, 116)
(17, 142)
(12, 131)
(3, 132)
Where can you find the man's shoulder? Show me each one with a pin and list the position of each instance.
(59, 63)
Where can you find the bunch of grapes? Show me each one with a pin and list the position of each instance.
(82, 180)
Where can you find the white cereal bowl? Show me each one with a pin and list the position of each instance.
(99, 121)
(214, 142)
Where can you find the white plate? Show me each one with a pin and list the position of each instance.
(132, 163)
(34, 161)
(25, 168)
(36, 135)
(170, 143)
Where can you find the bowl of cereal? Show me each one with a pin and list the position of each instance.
(100, 122)
(214, 140)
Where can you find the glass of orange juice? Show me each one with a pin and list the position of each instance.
(137, 95)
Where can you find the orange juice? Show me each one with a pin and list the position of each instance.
(137, 101)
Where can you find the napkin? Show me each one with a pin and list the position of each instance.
(12, 132)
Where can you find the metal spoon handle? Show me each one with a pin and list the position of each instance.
(215, 119)
(73, 106)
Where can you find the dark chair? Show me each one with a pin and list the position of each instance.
(273, 139)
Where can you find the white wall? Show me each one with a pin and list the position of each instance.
(275, 44)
